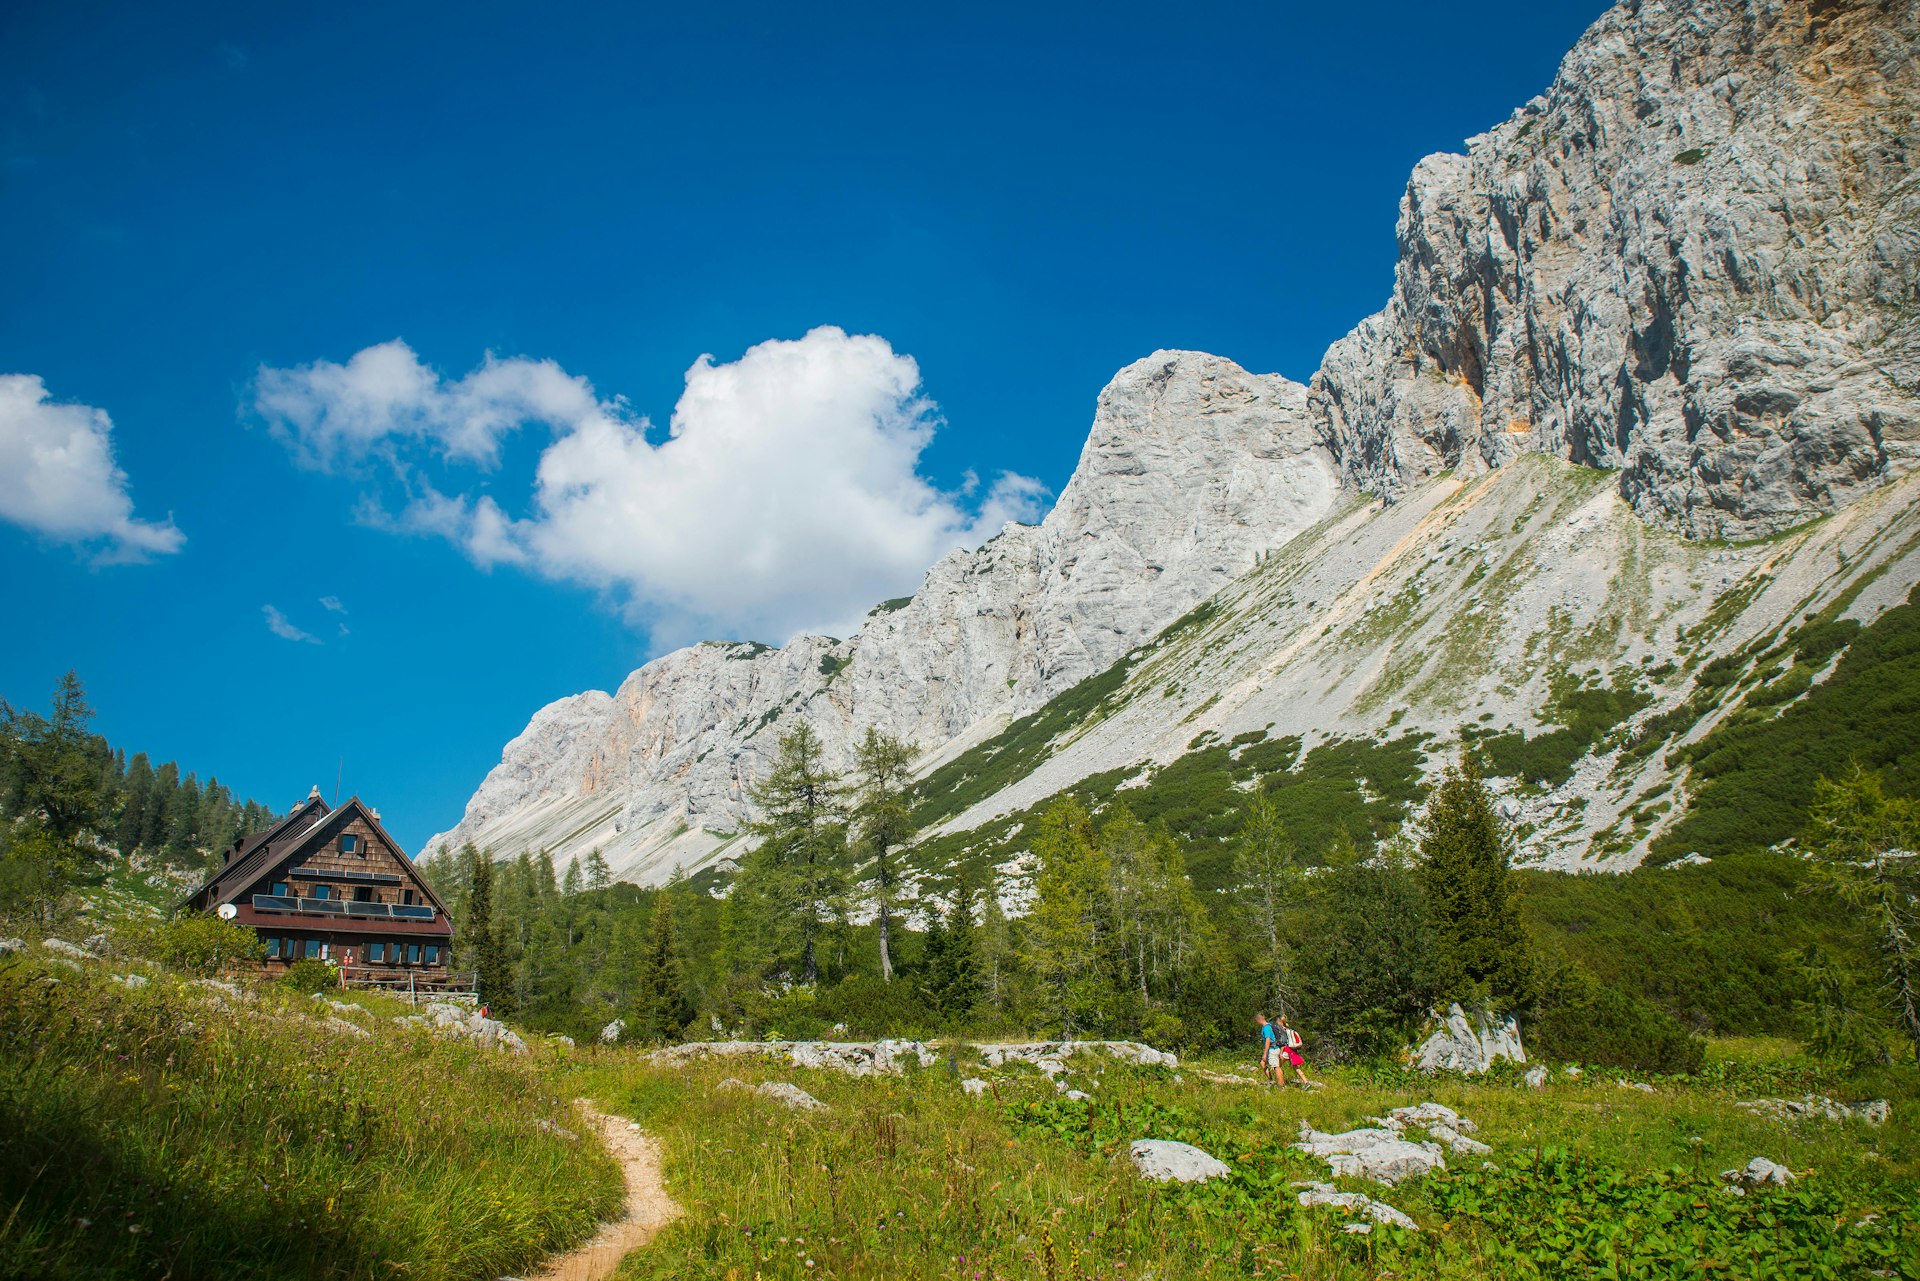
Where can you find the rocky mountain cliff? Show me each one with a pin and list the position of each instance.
(1694, 263)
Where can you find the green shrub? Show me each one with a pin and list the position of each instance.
(308, 975)
(1582, 1020)
(201, 945)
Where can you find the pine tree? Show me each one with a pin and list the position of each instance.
(597, 873)
(570, 883)
(492, 972)
(662, 1008)
(1482, 945)
(796, 876)
(883, 822)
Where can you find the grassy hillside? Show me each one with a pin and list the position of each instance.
(173, 1129)
(908, 1177)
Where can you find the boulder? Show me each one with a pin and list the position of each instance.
(1759, 1173)
(1042, 1053)
(1380, 1154)
(1536, 1078)
(613, 1031)
(334, 1023)
(1076, 1096)
(1380, 1212)
(129, 980)
(1165, 1160)
(60, 947)
(1470, 1045)
(974, 1087)
(9, 946)
(853, 1058)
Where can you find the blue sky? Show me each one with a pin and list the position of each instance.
(206, 215)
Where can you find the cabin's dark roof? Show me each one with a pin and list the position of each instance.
(297, 834)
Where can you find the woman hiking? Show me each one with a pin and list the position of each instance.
(1270, 1052)
(1289, 1045)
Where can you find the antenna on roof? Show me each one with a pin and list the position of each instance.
(338, 770)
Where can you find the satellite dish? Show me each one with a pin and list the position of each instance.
(228, 911)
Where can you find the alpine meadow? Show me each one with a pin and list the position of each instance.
(1457, 816)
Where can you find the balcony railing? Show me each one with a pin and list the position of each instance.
(341, 907)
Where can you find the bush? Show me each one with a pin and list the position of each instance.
(201, 945)
(1584, 1021)
(1366, 964)
(308, 975)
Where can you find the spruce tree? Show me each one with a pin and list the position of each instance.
(662, 1005)
(492, 973)
(953, 973)
(1483, 950)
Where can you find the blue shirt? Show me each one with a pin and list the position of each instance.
(1267, 1031)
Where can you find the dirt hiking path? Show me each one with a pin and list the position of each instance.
(649, 1208)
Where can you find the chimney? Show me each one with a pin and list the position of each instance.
(314, 795)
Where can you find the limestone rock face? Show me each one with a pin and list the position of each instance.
(1194, 467)
(1471, 1045)
(1694, 259)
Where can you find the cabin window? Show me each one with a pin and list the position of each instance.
(406, 897)
(363, 894)
(280, 889)
(433, 955)
(323, 891)
(413, 954)
(313, 949)
(350, 844)
(377, 952)
(273, 949)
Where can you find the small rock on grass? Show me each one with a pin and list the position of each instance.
(1164, 1160)
(974, 1087)
(1537, 1078)
(1326, 1194)
(1759, 1173)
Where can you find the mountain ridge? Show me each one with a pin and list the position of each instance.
(1694, 261)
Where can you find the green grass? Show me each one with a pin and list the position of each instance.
(170, 1131)
(907, 1177)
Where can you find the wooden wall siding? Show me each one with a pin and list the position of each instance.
(379, 858)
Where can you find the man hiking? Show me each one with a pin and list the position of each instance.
(1270, 1052)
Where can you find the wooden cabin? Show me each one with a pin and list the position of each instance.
(332, 885)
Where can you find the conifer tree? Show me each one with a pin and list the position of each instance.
(598, 876)
(1482, 945)
(953, 971)
(492, 972)
(796, 876)
(661, 992)
(883, 823)
(1267, 864)
(1067, 945)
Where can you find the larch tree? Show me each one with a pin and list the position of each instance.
(1068, 942)
(1266, 862)
(1466, 873)
(662, 1008)
(1864, 846)
(492, 973)
(800, 863)
(882, 824)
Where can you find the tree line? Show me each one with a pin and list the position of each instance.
(70, 803)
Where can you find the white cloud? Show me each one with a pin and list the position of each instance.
(332, 605)
(58, 477)
(277, 624)
(785, 495)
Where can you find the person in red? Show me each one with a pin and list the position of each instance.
(1289, 1041)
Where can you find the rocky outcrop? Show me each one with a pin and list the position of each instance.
(1193, 469)
(1165, 1160)
(784, 1093)
(1819, 1108)
(1694, 259)
(852, 1058)
(1313, 1194)
(1050, 1056)
(1759, 1173)
(1469, 1045)
(1379, 1153)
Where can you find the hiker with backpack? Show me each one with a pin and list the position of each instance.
(1270, 1052)
(1289, 1045)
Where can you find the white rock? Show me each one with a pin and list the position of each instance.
(336, 1024)
(790, 1095)
(974, 1087)
(1326, 1194)
(1076, 1096)
(129, 980)
(1380, 1154)
(1874, 1112)
(1641, 1086)
(1164, 1159)
(1536, 1078)
(613, 1031)
(60, 947)
(1759, 1172)
(1470, 1045)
